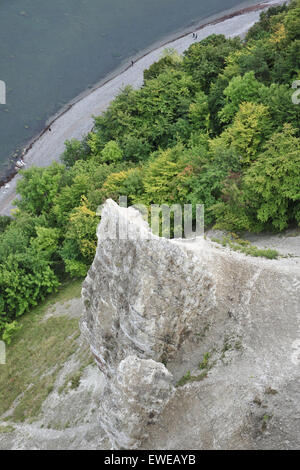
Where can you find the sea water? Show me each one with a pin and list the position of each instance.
(51, 51)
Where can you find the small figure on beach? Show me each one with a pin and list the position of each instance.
(49, 129)
(194, 35)
(132, 63)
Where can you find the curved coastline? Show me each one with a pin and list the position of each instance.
(76, 119)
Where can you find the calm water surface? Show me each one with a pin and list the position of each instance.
(52, 50)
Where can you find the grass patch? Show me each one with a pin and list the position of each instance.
(74, 378)
(265, 420)
(204, 363)
(6, 429)
(35, 357)
(226, 347)
(204, 366)
(188, 378)
(184, 380)
(67, 291)
(245, 247)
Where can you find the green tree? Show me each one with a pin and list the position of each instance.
(111, 153)
(292, 21)
(124, 183)
(75, 150)
(25, 279)
(267, 197)
(250, 128)
(199, 114)
(80, 240)
(205, 60)
(46, 242)
(170, 59)
(160, 176)
(239, 90)
(38, 187)
(4, 222)
(272, 182)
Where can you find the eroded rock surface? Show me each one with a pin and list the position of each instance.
(139, 293)
(133, 399)
(226, 323)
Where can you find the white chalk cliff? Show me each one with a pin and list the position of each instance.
(200, 346)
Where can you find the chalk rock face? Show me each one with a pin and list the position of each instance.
(222, 326)
(142, 295)
(133, 399)
(139, 301)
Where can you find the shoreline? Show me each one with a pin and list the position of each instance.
(92, 103)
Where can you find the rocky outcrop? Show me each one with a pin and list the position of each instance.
(226, 327)
(139, 296)
(133, 399)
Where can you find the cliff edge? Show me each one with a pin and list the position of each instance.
(199, 346)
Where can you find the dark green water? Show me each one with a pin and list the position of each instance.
(52, 50)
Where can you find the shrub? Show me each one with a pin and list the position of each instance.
(9, 330)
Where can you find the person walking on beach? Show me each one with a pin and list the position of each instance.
(132, 63)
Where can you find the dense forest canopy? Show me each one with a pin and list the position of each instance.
(217, 127)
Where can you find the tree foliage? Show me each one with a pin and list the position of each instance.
(215, 127)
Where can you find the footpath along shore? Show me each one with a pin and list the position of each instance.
(76, 120)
